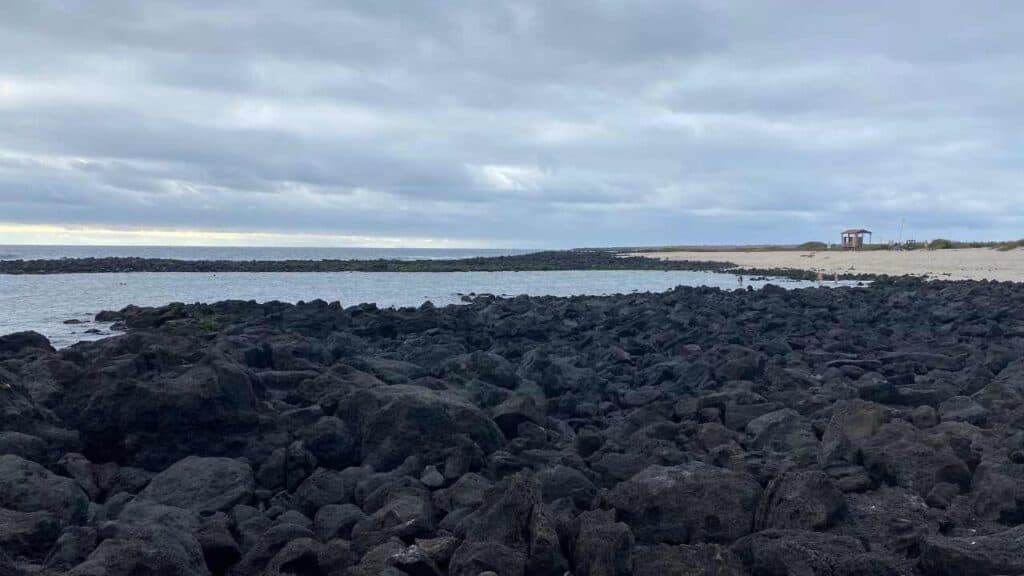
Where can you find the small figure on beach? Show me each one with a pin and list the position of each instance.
(821, 277)
(739, 280)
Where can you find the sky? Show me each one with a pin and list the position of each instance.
(509, 123)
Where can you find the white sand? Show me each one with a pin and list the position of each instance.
(963, 264)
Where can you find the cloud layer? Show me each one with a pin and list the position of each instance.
(514, 123)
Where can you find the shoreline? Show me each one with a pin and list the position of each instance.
(793, 420)
(948, 264)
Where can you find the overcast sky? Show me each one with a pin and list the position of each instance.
(553, 123)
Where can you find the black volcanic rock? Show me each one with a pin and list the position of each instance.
(826, 432)
(205, 485)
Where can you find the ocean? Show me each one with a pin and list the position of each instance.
(47, 304)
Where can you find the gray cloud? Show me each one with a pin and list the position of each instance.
(515, 123)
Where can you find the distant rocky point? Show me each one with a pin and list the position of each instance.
(536, 261)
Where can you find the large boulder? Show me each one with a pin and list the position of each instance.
(806, 500)
(321, 488)
(738, 363)
(27, 534)
(23, 342)
(25, 445)
(687, 504)
(28, 487)
(784, 431)
(486, 366)
(505, 513)
(205, 485)
(963, 409)
(603, 546)
(852, 423)
(901, 454)
(268, 546)
(147, 538)
(405, 514)
(998, 553)
(158, 418)
(997, 492)
(399, 421)
(330, 441)
(476, 558)
(809, 554)
(686, 560)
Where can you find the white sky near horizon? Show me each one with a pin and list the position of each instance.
(519, 123)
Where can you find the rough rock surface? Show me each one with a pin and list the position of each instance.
(874, 430)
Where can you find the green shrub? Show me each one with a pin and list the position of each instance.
(941, 244)
(1007, 246)
(813, 246)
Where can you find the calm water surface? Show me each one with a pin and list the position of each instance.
(44, 303)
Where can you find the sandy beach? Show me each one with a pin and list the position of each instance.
(961, 264)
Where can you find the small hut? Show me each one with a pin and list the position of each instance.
(853, 239)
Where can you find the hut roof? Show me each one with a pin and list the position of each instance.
(856, 231)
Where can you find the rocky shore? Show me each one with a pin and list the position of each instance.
(536, 261)
(866, 431)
